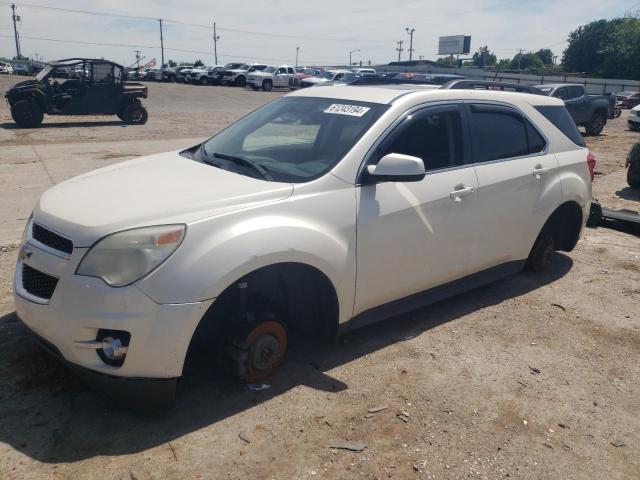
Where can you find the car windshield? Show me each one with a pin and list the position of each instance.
(327, 75)
(310, 72)
(348, 78)
(293, 139)
(43, 73)
(243, 67)
(269, 70)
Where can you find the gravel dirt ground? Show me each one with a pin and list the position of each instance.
(534, 377)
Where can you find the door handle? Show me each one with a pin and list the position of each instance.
(460, 191)
(538, 170)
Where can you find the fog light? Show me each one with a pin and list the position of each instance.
(110, 345)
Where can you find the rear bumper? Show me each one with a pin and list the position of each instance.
(144, 394)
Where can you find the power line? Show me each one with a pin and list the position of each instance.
(181, 22)
(181, 50)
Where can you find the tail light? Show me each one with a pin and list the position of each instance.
(591, 162)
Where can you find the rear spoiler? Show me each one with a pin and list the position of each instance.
(490, 85)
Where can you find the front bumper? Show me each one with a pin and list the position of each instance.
(146, 394)
(80, 306)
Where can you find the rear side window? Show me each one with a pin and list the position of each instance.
(434, 135)
(561, 118)
(497, 134)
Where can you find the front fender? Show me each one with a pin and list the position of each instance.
(214, 255)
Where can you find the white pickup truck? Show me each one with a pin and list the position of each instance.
(271, 77)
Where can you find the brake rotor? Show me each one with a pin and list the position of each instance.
(267, 345)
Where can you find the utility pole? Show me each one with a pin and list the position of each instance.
(161, 43)
(137, 58)
(400, 50)
(410, 32)
(520, 59)
(216, 37)
(297, 52)
(16, 18)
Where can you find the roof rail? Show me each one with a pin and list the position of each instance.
(489, 85)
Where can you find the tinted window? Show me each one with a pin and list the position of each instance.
(102, 73)
(291, 70)
(575, 92)
(561, 93)
(281, 71)
(433, 136)
(497, 134)
(537, 144)
(561, 118)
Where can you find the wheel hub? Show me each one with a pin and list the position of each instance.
(265, 353)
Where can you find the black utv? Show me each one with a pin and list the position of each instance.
(77, 86)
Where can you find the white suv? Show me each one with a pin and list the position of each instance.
(259, 231)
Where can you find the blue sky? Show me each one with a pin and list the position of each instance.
(324, 30)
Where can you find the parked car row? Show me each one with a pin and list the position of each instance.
(21, 68)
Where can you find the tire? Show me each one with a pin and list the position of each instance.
(633, 127)
(241, 81)
(542, 254)
(267, 85)
(633, 177)
(254, 88)
(596, 125)
(617, 112)
(204, 81)
(135, 114)
(27, 114)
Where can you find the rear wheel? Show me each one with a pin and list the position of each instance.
(204, 81)
(135, 114)
(542, 254)
(267, 85)
(596, 125)
(241, 81)
(27, 114)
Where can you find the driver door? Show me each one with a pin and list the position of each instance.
(414, 236)
(102, 93)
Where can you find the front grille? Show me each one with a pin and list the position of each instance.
(51, 239)
(37, 283)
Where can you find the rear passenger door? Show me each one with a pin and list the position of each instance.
(416, 235)
(518, 183)
(576, 104)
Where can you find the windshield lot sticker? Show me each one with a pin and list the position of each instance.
(351, 110)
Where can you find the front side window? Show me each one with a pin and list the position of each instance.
(561, 93)
(295, 139)
(497, 133)
(281, 71)
(434, 135)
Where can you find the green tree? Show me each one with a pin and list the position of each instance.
(484, 58)
(545, 55)
(605, 48)
(448, 61)
(198, 63)
(172, 64)
(526, 61)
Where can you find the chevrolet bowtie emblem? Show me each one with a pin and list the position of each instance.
(25, 253)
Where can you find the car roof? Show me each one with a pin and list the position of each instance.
(71, 61)
(387, 94)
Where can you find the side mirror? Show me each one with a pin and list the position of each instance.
(396, 167)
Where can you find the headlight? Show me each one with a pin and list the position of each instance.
(124, 257)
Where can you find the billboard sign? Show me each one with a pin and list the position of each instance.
(454, 45)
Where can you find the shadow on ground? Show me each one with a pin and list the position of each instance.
(45, 125)
(48, 415)
(629, 193)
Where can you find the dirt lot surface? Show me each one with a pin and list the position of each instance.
(535, 376)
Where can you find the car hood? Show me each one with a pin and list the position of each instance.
(154, 190)
(29, 84)
(636, 108)
(315, 80)
(198, 70)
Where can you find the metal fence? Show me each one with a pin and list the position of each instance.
(592, 85)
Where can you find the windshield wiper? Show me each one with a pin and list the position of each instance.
(246, 162)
